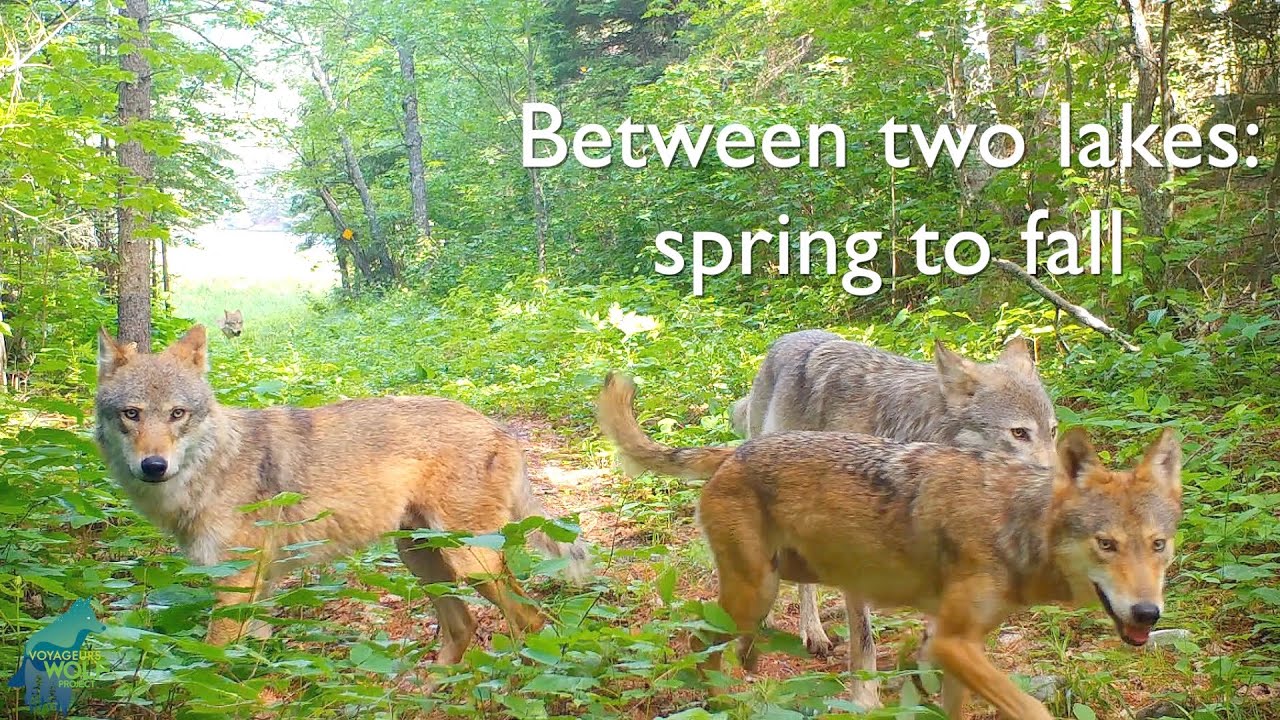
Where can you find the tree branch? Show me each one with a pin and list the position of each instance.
(1085, 317)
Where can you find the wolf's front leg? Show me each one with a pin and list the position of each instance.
(963, 659)
(243, 587)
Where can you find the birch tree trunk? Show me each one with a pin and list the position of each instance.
(133, 312)
(413, 139)
(344, 244)
(387, 267)
(540, 220)
(971, 91)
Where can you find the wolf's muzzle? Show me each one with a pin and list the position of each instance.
(153, 468)
(1145, 613)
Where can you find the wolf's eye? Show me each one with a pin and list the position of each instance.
(1106, 545)
(1159, 545)
(1022, 434)
(177, 413)
(131, 414)
(1053, 432)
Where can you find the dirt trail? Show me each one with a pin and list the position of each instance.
(564, 486)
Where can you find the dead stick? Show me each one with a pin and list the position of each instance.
(1085, 317)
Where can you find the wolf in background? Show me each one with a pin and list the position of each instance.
(362, 467)
(968, 536)
(232, 323)
(816, 380)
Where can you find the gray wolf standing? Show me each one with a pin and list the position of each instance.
(363, 468)
(816, 380)
(968, 536)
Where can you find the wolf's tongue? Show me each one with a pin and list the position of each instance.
(1137, 635)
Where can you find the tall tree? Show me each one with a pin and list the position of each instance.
(388, 268)
(1156, 202)
(132, 221)
(540, 218)
(413, 136)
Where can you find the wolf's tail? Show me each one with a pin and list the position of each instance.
(526, 505)
(740, 416)
(638, 451)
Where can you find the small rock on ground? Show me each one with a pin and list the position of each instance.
(1045, 687)
(1168, 638)
(1162, 709)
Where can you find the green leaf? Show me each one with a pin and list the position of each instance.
(718, 618)
(1082, 712)
(562, 684)
(280, 500)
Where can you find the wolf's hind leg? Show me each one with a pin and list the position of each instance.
(457, 626)
(862, 652)
(811, 632)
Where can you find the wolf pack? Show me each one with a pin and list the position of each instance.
(944, 488)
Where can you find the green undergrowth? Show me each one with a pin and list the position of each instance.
(618, 647)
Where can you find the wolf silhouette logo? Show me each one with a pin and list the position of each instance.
(52, 660)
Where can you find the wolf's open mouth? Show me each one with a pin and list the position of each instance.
(1135, 635)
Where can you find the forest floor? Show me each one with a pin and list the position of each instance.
(358, 636)
(566, 487)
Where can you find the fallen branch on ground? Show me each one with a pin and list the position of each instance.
(1085, 317)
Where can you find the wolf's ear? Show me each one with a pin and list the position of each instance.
(1076, 455)
(113, 354)
(1017, 357)
(959, 375)
(1162, 463)
(192, 349)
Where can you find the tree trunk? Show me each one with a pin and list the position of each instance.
(1156, 204)
(540, 220)
(344, 243)
(134, 307)
(387, 267)
(344, 272)
(108, 261)
(971, 91)
(4, 353)
(164, 265)
(413, 139)
(1031, 66)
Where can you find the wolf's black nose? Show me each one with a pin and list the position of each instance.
(1145, 613)
(153, 467)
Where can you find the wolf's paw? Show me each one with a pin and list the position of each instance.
(258, 629)
(222, 631)
(818, 645)
(865, 696)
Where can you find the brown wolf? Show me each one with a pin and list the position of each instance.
(363, 468)
(816, 380)
(232, 323)
(968, 536)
